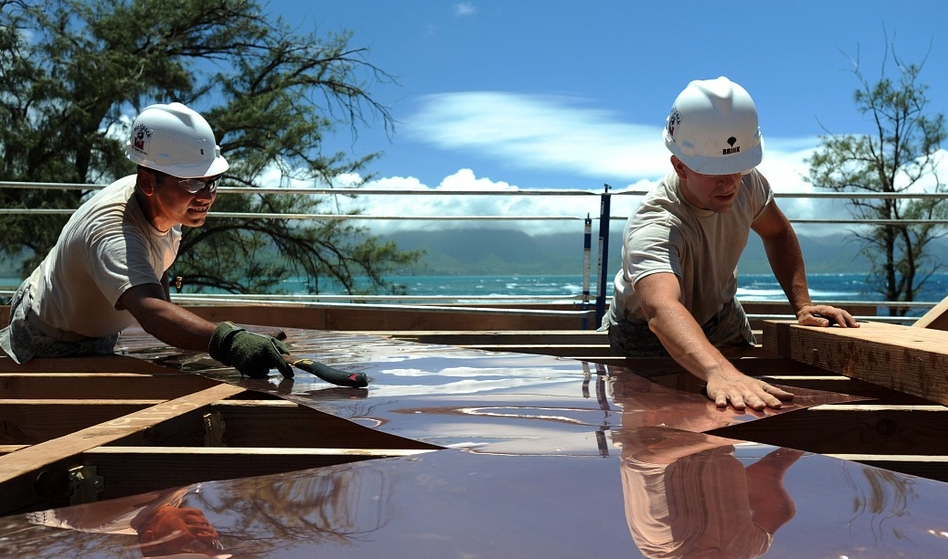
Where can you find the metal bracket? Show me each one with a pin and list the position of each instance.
(84, 485)
(214, 428)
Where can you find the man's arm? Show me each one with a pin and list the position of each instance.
(660, 298)
(165, 320)
(786, 261)
(250, 353)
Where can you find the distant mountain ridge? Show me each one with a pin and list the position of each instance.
(499, 251)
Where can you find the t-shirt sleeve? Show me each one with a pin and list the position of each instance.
(120, 262)
(652, 248)
(763, 194)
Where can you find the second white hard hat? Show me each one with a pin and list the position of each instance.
(176, 140)
(712, 127)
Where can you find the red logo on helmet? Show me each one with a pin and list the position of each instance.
(140, 136)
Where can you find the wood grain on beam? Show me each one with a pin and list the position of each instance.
(903, 358)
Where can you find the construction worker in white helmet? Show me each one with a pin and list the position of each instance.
(676, 292)
(109, 268)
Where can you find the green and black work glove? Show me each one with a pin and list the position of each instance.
(250, 353)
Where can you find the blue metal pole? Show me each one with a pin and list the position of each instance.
(604, 212)
(587, 246)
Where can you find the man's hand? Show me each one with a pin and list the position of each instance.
(825, 315)
(250, 353)
(743, 391)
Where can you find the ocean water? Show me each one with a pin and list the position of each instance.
(756, 287)
(751, 287)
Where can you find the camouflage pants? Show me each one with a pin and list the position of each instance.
(27, 336)
(727, 328)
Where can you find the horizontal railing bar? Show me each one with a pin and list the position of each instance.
(358, 217)
(427, 308)
(469, 192)
(338, 297)
(228, 297)
(364, 217)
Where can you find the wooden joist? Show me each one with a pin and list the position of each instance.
(76, 436)
(903, 358)
(100, 385)
(37, 476)
(852, 428)
(36, 456)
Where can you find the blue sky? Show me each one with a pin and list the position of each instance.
(556, 94)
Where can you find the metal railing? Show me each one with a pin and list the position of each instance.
(602, 270)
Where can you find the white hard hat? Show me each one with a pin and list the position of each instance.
(712, 128)
(175, 140)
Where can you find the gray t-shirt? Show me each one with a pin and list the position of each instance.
(107, 246)
(702, 248)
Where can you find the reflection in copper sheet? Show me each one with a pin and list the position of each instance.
(540, 457)
(687, 495)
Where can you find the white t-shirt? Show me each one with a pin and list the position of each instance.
(669, 234)
(106, 247)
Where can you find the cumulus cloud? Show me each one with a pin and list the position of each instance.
(464, 200)
(558, 134)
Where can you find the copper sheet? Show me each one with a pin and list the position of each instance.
(546, 457)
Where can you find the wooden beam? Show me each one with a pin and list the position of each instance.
(96, 364)
(851, 429)
(283, 425)
(33, 458)
(903, 358)
(936, 318)
(102, 385)
(32, 422)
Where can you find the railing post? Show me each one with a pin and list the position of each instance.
(587, 246)
(604, 212)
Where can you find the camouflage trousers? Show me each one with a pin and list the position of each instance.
(727, 328)
(27, 336)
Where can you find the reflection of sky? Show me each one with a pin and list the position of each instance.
(460, 504)
(536, 469)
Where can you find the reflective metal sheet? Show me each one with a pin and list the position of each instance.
(454, 503)
(548, 458)
(490, 401)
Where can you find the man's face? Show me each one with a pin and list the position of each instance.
(710, 192)
(177, 205)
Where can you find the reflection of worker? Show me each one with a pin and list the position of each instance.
(172, 530)
(164, 527)
(687, 495)
(675, 293)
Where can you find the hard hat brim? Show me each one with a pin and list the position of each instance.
(723, 164)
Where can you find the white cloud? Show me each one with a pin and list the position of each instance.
(542, 132)
(470, 210)
(464, 9)
(562, 134)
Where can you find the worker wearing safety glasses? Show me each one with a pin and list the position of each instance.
(109, 268)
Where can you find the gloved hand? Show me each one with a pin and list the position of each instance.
(250, 353)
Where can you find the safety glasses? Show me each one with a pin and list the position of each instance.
(192, 186)
(196, 185)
